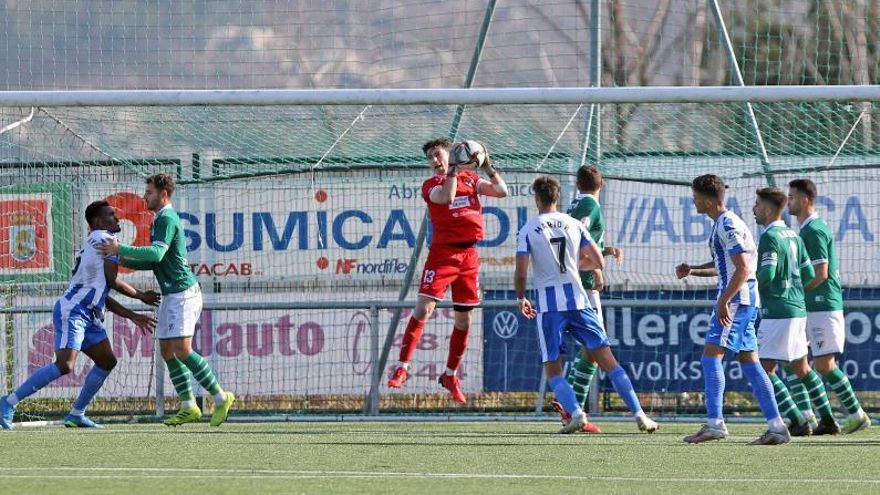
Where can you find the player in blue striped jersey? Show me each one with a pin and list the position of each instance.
(558, 246)
(77, 317)
(732, 326)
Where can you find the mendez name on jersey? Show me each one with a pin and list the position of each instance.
(88, 286)
(553, 240)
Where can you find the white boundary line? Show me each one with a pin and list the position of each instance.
(58, 472)
(428, 418)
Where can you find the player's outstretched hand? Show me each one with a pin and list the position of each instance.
(616, 253)
(527, 309)
(682, 270)
(151, 297)
(144, 322)
(487, 165)
(111, 248)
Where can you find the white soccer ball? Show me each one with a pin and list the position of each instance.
(463, 152)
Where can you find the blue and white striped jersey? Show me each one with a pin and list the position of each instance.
(88, 286)
(553, 240)
(730, 236)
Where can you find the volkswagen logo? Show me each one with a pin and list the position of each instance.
(505, 324)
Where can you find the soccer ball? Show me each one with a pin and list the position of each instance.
(462, 152)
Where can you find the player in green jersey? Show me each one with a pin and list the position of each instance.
(181, 303)
(824, 299)
(783, 265)
(586, 209)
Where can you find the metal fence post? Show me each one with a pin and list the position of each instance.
(371, 406)
(542, 391)
(159, 367)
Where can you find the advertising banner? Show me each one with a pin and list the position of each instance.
(272, 352)
(660, 347)
(35, 233)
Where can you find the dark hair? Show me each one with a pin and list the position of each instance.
(774, 196)
(709, 185)
(805, 187)
(547, 189)
(589, 178)
(93, 211)
(442, 142)
(162, 182)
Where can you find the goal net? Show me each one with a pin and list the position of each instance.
(302, 221)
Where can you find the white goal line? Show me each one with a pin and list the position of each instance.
(440, 96)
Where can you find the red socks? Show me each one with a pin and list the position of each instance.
(457, 345)
(411, 337)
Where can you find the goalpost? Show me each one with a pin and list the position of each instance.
(302, 253)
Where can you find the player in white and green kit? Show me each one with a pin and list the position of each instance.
(181, 303)
(783, 265)
(586, 209)
(824, 298)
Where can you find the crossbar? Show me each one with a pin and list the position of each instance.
(441, 96)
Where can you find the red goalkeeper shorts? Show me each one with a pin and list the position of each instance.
(457, 266)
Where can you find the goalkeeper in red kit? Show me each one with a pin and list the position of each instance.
(453, 198)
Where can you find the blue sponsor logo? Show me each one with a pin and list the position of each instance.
(649, 219)
(351, 229)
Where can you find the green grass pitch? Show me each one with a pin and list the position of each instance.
(426, 457)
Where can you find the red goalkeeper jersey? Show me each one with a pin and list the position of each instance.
(461, 221)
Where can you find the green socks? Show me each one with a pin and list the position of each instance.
(580, 376)
(841, 386)
(816, 389)
(787, 407)
(203, 374)
(180, 378)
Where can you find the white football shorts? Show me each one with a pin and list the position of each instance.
(782, 339)
(826, 332)
(179, 313)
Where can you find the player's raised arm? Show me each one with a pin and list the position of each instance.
(164, 232)
(445, 193)
(495, 187)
